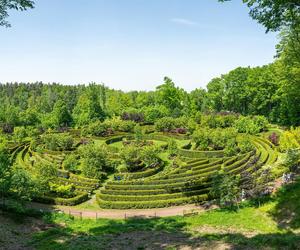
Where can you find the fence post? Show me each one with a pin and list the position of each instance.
(80, 215)
(96, 216)
(69, 213)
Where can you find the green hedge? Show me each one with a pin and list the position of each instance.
(151, 204)
(142, 174)
(84, 179)
(130, 198)
(134, 192)
(168, 186)
(200, 154)
(63, 201)
(237, 164)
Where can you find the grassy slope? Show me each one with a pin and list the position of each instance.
(275, 225)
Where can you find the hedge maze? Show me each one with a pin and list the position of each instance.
(188, 183)
(26, 157)
(161, 185)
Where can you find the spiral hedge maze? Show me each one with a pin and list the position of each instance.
(27, 158)
(160, 186)
(189, 183)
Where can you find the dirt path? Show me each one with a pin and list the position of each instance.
(120, 214)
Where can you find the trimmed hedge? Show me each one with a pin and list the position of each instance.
(158, 197)
(151, 204)
(81, 197)
(200, 154)
(142, 174)
(168, 186)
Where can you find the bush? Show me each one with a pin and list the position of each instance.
(214, 139)
(64, 191)
(245, 145)
(152, 114)
(246, 124)
(71, 163)
(58, 141)
(288, 141)
(167, 124)
(133, 115)
(95, 161)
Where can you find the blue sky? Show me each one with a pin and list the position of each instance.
(131, 44)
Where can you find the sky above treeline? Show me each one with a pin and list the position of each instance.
(131, 44)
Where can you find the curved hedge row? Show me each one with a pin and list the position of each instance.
(81, 197)
(200, 154)
(151, 204)
(157, 197)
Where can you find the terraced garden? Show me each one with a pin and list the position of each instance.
(173, 179)
(188, 183)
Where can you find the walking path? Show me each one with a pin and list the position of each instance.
(121, 214)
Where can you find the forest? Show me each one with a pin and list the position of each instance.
(229, 154)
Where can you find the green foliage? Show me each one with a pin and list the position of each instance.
(149, 155)
(45, 174)
(5, 172)
(87, 109)
(226, 189)
(20, 133)
(288, 140)
(58, 141)
(138, 133)
(64, 191)
(172, 147)
(71, 163)
(166, 124)
(292, 159)
(274, 14)
(214, 139)
(152, 114)
(245, 144)
(131, 157)
(13, 4)
(251, 125)
(23, 186)
(95, 161)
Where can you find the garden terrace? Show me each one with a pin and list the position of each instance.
(187, 183)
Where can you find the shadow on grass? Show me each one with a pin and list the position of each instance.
(287, 209)
(158, 233)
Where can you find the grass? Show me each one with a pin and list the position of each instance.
(274, 225)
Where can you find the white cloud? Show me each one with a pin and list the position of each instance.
(184, 21)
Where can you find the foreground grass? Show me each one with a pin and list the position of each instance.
(275, 225)
(247, 227)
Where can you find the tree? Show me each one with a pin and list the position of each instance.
(170, 96)
(274, 14)
(95, 162)
(6, 5)
(23, 186)
(61, 114)
(87, 109)
(226, 189)
(5, 171)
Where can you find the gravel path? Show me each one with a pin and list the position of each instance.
(120, 214)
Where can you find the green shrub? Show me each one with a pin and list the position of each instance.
(63, 201)
(151, 204)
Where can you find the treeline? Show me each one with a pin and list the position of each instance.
(272, 91)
